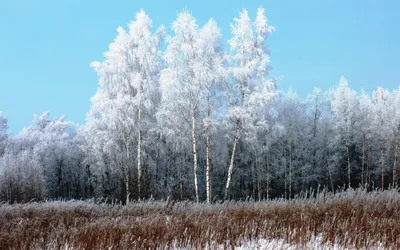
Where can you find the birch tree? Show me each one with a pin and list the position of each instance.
(212, 73)
(365, 131)
(3, 134)
(381, 100)
(344, 105)
(128, 87)
(146, 57)
(292, 114)
(57, 146)
(21, 178)
(318, 141)
(316, 100)
(249, 69)
(396, 137)
(186, 79)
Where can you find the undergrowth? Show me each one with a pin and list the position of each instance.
(353, 219)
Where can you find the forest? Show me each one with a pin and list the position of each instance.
(188, 116)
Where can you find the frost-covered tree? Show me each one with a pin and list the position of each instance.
(194, 66)
(57, 146)
(396, 138)
(161, 113)
(4, 136)
(292, 114)
(104, 158)
(316, 102)
(21, 179)
(212, 73)
(318, 113)
(382, 125)
(267, 170)
(364, 127)
(44, 161)
(344, 105)
(325, 142)
(249, 86)
(128, 91)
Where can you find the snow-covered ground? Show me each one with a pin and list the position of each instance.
(274, 244)
(279, 244)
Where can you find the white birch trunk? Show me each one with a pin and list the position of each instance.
(348, 166)
(395, 163)
(235, 141)
(382, 167)
(208, 146)
(268, 175)
(208, 167)
(290, 169)
(369, 164)
(231, 164)
(363, 164)
(195, 167)
(139, 143)
(139, 155)
(127, 172)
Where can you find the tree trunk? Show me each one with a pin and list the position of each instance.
(166, 183)
(382, 167)
(330, 180)
(369, 163)
(182, 160)
(195, 167)
(208, 146)
(363, 163)
(268, 177)
(139, 154)
(208, 168)
(290, 170)
(253, 177)
(284, 152)
(230, 170)
(348, 166)
(127, 173)
(315, 120)
(395, 164)
(59, 180)
(259, 189)
(259, 174)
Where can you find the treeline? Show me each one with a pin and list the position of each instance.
(201, 122)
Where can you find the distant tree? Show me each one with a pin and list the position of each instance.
(44, 160)
(318, 137)
(4, 136)
(344, 105)
(364, 127)
(382, 125)
(57, 146)
(293, 117)
(316, 102)
(396, 137)
(22, 179)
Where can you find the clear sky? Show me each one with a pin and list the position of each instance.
(46, 46)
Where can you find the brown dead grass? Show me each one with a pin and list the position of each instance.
(355, 219)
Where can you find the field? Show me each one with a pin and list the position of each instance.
(350, 220)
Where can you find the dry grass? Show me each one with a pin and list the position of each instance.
(355, 219)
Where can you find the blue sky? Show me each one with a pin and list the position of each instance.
(46, 46)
